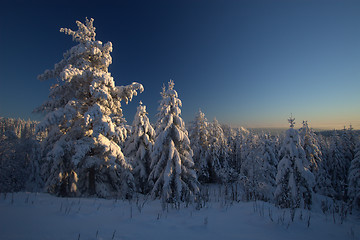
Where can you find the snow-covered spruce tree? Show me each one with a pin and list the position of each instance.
(199, 135)
(138, 148)
(268, 164)
(311, 147)
(248, 176)
(324, 184)
(354, 179)
(338, 167)
(84, 121)
(258, 170)
(294, 180)
(348, 144)
(218, 155)
(238, 148)
(248, 147)
(172, 168)
(231, 136)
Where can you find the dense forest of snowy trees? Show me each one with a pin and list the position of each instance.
(266, 167)
(84, 147)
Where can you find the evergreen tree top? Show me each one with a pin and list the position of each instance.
(305, 124)
(291, 120)
(85, 32)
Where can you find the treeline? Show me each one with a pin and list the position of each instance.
(18, 151)
(221, 155)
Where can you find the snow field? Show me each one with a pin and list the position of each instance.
(42, 216)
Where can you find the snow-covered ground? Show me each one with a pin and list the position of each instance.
(41, 216)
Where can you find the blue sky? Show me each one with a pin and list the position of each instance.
(248, 63)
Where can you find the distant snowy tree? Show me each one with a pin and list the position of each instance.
(18, 149)
(13, 169)
(138, 147)
(21, 128)
(35, 181)
(348, 144)
(338, 167)
(324, 184)
(172, 168)
(354, 179)
(311, 146)
(249, 166)
(268, 164)
(324, 175)
(239, 148)
(199, 137)
(231, 135)
(84, 121)
(218, 154)
(248, 148)
(258, 168)
(294, 179)
(249, 144)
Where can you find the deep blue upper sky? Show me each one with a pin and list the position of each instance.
(248, 63)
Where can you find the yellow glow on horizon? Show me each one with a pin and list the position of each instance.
(316, 124)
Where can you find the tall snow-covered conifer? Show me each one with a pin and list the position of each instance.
(199, 135)
(294, 179)
(138, 147)
(172, 168)
(85, 122)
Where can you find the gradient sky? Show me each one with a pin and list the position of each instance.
(247, 63)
